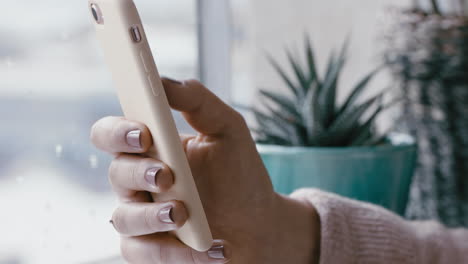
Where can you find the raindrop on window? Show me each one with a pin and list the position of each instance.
(48, 207)
(68, 246)
(93, 161)
(65, 36)
(92, 213)
(58, 150)
(8, 62)
(20, 179)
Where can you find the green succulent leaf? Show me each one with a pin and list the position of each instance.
(295, 126)
(376, 140)
(363, 137)
(346, 122)
(311, 115)
(269, 137)
(328, 95)
(274, 140)
(289, 84)
(364, 132)
(283, 102)
(358, 89)
(285, 117)
(313, 76)
(330, 63)
(300, 75)
(271, 123)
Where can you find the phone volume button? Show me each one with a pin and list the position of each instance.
(154, 86)
(143, 58)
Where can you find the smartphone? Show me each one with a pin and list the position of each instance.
(142, 98)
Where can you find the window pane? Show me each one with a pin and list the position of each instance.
(53, 86)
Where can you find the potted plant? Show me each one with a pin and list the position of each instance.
(307, 139)
(426, 50)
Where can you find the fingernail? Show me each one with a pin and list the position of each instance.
(217, 251)
(150, 176)
(133, 138)
(172, 81)
(165, 215)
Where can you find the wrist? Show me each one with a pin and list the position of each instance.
(299, 225)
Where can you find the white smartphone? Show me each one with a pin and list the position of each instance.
(142, 97)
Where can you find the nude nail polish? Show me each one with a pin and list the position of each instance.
(151, 176)
(134, 139)
(216, 252)
(165, 215)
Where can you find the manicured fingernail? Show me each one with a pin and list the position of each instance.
(172, 81)
(133, 138)
(151, 176)
(217, 251)
(165, 215)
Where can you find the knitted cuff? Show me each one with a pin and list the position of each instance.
(357, 232)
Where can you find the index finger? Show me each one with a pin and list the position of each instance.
(202, 109)
(117, 134)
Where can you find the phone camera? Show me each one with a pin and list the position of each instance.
(97, 14)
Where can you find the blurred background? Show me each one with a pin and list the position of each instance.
(56, 202)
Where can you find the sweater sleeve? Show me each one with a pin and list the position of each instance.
(357, 232)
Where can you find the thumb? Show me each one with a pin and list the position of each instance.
(202, 109)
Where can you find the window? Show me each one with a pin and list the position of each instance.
(56, 202)
(54, 85)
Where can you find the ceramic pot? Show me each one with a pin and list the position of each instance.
(381, 174)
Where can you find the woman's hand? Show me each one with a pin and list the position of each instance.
(257, 225)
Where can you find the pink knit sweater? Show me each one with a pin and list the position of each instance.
(356, 232)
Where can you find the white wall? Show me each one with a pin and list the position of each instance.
(269, 25)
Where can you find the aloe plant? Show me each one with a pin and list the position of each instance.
(442, 7)
(310, 115)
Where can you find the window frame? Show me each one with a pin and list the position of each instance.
(214, 46)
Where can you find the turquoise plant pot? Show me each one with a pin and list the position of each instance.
(381, 175)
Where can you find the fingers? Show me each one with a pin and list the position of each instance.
(129, 174)
(205, 112)
(163, 248)
(137, 219)
(116, 134)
